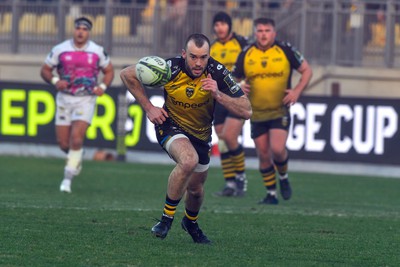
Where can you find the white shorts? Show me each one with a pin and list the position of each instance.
(73, 108)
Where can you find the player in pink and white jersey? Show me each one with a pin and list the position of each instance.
(78, 62)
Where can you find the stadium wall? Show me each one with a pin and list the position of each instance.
(326, 81)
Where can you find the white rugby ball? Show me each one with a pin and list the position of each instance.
(153, 71)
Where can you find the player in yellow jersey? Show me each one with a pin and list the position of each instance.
(227, 125)
(183, 125)
(267, 67)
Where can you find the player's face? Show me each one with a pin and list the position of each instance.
(81, 35)
(196, 58)
(221, 30)
(265, 35)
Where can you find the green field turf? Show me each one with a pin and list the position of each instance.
(331, 220)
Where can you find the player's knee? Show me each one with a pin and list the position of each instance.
(189, 162)
(222, 147)
(279, 152)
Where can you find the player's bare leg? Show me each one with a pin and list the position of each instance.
(73, 166)
(281, 158)
(266, 168)
(193, 202)
(184, 154)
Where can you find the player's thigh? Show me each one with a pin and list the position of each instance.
(183, 152)
(219, 128)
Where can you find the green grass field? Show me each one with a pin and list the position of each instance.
(331, 220)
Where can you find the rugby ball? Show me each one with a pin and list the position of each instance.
(153, 71)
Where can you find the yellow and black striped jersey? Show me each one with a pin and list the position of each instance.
(227, 53)
(188, 105)
(269, 75)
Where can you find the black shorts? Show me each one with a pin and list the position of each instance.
(169, 129)
(221, 113)
(259, 128)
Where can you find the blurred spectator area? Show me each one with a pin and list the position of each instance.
(338, 32)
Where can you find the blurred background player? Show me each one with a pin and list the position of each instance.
(267, 66)
(227, 125)
(78, 62)
(184, 130)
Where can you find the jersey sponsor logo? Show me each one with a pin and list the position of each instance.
(219, 67)
(189, 92)
(267, 75)
(186, 105)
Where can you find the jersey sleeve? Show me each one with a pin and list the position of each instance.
(104, 58)
(52, 58)
(224, 78)
(238, 69)
(294, 56)
(175, 64)
(243, 41)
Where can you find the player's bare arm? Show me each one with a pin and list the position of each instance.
(293, 95)
(108, 72)
(237, 105)
(47, 75)
(155, 114)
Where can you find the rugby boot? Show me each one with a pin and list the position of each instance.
(227, 191)
(65, 186)
(193, 229)
(161, 228)
(269, 200)
(241, 185)
(286, 190)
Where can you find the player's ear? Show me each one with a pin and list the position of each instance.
(184, 53)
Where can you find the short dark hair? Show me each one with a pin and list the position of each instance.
(264, 21)
(223, 17)
(199, 40)
(83, 21)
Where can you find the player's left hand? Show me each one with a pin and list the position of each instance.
(291, 97)
(98, 91)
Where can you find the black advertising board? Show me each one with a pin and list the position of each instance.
(342, 129)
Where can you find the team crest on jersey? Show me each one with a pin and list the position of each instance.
(264, 63)
(189, 92)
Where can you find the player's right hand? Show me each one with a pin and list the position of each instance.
(62, 85)
(157, 115)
